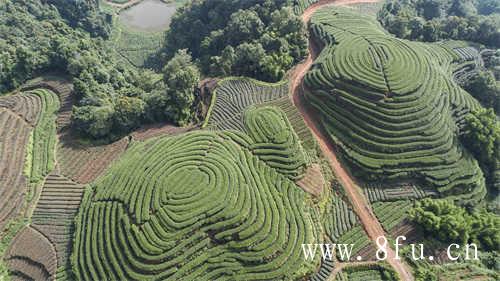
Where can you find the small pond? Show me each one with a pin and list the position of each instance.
(149, 15)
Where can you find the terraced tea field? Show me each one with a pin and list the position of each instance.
(197, 206)
(402, 128)
(236, 196)
(234, 95)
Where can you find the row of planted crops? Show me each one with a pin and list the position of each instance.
(391, 105)
(224, 203)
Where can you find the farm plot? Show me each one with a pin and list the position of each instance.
(339, 218)
(55, 213)
(44, 137)
(27, 107)
(152, 131)
(298, 124)
(363, 246)
(27, 139)
(299, 6)
(324, 271)
(200, 206)
(233, 95)
(83, 163)
(14, 139)
(135, 47)
(465, 272)
(389, 127)
(64, 90)
(313, 180)
(342, 226)
(372, 272)
(31, 256)
(390, 192)
(391, 214)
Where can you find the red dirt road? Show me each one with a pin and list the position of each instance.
(361, 207)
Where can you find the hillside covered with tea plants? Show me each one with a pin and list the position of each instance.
(222, 139)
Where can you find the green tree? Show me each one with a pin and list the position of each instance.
(247, 59)
(488, 7)
(484, 87)
(482, 135)
(442, 218)
(94, 121)
(451, 223)
(182, 77)
(244, 25)
(129, 111)
(486, 229)
(431, 9)
(243, 37)
(432, 20)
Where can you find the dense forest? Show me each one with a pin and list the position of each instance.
(259, 39)
(432, 20)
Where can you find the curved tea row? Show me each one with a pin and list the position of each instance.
(200, 206)
(233, 95)
(275, 141)
(391, 105)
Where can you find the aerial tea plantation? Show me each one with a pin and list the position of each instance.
(200, 206)
(391, 105)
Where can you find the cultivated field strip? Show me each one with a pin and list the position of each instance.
(26, 106)
(372, 272)
(55, 213)
(152, 131)
(301, 5)
(44, 136)
(391, 214)
(84, 163)
(387, 125)
(298, 124)
(27, 138)
(200, 206)
(339, 219)
(313, 180)
(233, 95)
(14, 138)
(63, 89)
(375, 192)
(31, 256)
(363, 246)
(324, 271)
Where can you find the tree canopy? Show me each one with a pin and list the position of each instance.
(482, 135)
(112, 98)
(432, 20)
(260, 39)
(484, 87)
(451, 223)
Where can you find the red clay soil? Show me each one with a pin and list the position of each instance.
(361, 207)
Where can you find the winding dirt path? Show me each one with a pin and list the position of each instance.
(361, 207)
